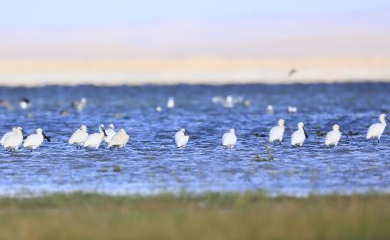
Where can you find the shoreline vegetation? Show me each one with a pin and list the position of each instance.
(192, 70)
(250, 215)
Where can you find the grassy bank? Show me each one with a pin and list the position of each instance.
(211, 216)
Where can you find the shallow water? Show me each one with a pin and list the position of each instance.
(151, 163)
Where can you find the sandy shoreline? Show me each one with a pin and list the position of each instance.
(199, 70)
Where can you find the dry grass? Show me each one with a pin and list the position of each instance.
(211, 216)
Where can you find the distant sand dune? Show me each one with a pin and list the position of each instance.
(213, 70)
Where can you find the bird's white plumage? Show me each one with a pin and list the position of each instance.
(79, 136)
(181, 139)
(333, 137)
(171, 102)
(6, 135)
(110, 133)
(270, 109)
(79, 105)
(24, 103)
(14, 140)
(33, 141)
(119, 140)
(298, 137)
(276, 133)
(376, 130)
(93, 141)
(229, 139)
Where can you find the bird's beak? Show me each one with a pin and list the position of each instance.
(344, 133)
(46, 137)
(105, 134)
(307, 136)
(387, 119)
(287, 127)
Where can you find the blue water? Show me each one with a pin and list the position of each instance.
(152, 164)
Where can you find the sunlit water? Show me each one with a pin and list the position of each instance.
(152, 164)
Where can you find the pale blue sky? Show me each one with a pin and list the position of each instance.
(21, 14)
(176, 28)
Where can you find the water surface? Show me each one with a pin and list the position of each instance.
(152, 164)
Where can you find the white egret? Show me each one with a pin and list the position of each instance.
(93, 141)
(181, 138)
(229, 139)
(33, 141)
(376, 130)
(171, 102)
(24, 103)
(292, 109)
(229, 102)
(79, 136)
(333, 137)
(79, 105)
(110, 133)
(299, 136)
(270, 109)
(119, 140)
(276, 133)
(14, 140)
(7, 134)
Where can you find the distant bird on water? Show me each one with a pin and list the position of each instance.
(24, 103)
(229, 139)
(79, 105)
(376, 130)
(171, 102)
(181, 138)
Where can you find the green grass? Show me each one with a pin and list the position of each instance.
(210, 216)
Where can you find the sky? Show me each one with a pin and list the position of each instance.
(153, 28)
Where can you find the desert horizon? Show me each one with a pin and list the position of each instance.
(192, 70)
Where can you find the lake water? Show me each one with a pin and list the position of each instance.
(151, 163)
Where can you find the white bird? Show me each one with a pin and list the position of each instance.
(276, 133)
(79, 136)
(110, 133)
(171, 102)
(292, 109)
(33, 141)
(79, 105)
(181, 138)
(119, 140)
(7, 134)
(229, 102)
(14, 140)
(24, 103)
(158, 109)
(299, 136)
(229, 139)
(376, 130)
(333, 137)
(93, 141)
(270, 109)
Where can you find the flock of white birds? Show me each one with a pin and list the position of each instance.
(13, 139)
